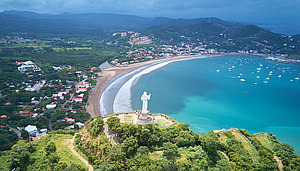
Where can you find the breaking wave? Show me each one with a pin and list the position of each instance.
(122, 102)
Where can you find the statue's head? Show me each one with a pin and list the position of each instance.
(145, 96)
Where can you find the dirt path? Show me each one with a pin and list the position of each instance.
(279, 162)
(69, 143)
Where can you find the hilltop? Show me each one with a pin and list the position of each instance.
(111, 143)
(148, 147)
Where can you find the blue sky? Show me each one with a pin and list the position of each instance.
(279, 15)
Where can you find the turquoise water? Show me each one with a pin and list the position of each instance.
(229, 91)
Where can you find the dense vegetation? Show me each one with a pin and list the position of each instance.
(146, 147)
(224, 36)
(48, 153)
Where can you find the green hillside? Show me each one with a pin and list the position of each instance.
(108, 144)
(147, 147)
(48, 153)
(223, 36)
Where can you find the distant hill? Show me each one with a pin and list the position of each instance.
(28, 14)
(96, 21)
(223, 35)
(215, 33)
(50, 25)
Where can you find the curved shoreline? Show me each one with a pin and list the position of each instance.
(110, 75)
(122, 101)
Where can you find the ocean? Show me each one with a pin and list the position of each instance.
(213, 93)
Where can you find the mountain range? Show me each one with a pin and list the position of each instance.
(215, 32)
(65, 22)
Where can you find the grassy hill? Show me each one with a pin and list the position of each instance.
(114, 145)
(48, 153)
(147, 147)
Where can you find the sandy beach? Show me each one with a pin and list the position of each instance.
(109, 74)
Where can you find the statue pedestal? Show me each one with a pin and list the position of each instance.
(144, 118)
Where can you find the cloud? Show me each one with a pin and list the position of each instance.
(267, 11)
(148, 6)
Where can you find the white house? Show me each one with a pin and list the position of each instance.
(50, 106)
(80, 125)
(31, 129)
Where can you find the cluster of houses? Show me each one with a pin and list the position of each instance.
(127, 33)
(55, 102)
(29, 67)
(136, 39)
(140, 40)
(34, 132)
(80, 88)
(36, 87)
(16, 38)
(166, 51)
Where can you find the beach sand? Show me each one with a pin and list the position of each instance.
(109, 73)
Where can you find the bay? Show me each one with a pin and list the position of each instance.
(213, 93)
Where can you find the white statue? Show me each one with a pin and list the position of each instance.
(145, 99)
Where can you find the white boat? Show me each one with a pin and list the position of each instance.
(242, 80)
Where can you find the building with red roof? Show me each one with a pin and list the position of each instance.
(77, 99)
(82, 86)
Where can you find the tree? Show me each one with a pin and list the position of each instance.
(113, 122)
(130, 146)
(96, 126)
(25, 135)
(19, 155)
(116, 153)
(170, 150)
(222, 164)
(185, 138)
(7, 139)
(50, 148)
(143, 150)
